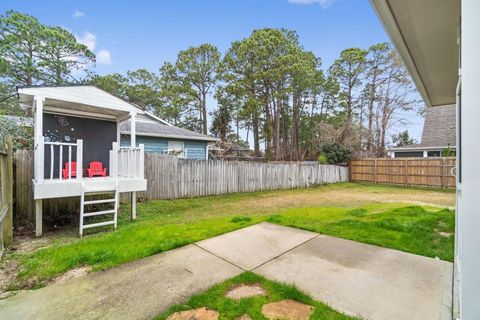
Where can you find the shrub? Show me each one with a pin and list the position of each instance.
(448, 152)
(322, 158)
(336, 153)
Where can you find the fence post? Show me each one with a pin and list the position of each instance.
(375, 170)
(443, 173)
(406, 172)
(6, 222)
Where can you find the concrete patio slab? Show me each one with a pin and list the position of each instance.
(250, 247)
(367, 281)
(137, 290)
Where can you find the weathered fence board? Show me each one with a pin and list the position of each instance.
(428, 172)
(170, 178)
(6, 193)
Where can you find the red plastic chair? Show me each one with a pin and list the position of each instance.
(96, 169)
(73, 167)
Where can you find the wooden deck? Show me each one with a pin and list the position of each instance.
(56, 188)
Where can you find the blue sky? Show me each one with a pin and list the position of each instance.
(128, 35)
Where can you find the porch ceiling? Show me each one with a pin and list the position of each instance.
(425, 34)
(83, 101)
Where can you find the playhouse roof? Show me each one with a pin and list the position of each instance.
(79, 100)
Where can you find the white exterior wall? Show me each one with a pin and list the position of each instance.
(468, 203)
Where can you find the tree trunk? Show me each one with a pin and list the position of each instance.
(268, 122)
(204, 113)
(276, 136)
(256, 133)
(295, 126)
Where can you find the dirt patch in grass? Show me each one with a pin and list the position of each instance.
(8, 272)
(72, 274)
(349, 196)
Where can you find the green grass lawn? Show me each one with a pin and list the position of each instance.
(346, 210)
(214, 298)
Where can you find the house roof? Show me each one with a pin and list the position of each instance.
(151, 126)
(79, 100)
(237, 147)
(425, 35)
(439, 129)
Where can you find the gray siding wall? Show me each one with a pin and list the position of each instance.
(196, 150)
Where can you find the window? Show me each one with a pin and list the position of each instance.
(436, 153)
(177, 148)
(409, 154)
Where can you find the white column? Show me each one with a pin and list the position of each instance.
(118, 131)
(468, 202)
(79, 159)
(425, 153)
(133, 130)
(133, 144)
(38, 102)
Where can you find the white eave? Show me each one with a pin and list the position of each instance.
(406, 148)
(425, 35)
(81, 100)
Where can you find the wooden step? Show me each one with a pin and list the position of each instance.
(94, 191)
(98, 213)
(99, 224)
(98, 201)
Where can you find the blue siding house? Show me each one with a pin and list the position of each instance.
(159, 136)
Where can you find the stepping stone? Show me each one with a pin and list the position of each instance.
(245, 291)
(195, 314)
(244, 317)
(287, 310)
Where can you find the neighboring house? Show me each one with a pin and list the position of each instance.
(438, 134)
(232, 151)
(19, 121)
(439, 42)
(159, 136)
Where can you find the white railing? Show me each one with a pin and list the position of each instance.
(74, 152)
(127, 162)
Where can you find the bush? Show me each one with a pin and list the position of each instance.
(336, 153)
(322, 158)
(448, 152)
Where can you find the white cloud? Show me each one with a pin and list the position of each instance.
(78, 14)
(88, 39)
(323, 3)
(104, 57)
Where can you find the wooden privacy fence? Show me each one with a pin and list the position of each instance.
(428, 172)
(6, 193)
(170, 178)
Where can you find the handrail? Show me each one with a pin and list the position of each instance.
(127, 162)
(57, 143)
(56, 149)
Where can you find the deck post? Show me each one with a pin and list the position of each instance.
(134, 206)
(38, 217)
